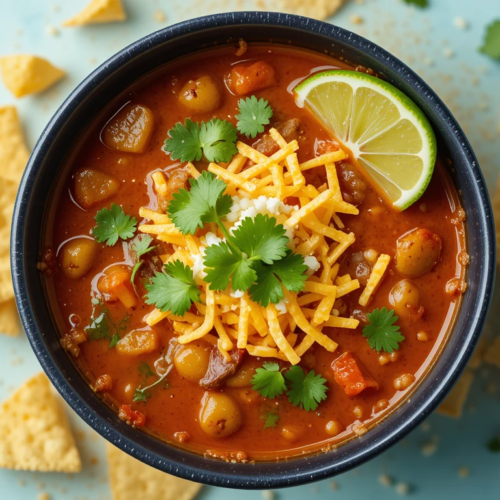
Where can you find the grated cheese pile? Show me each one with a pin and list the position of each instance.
(288, 329)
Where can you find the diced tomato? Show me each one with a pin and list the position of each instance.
(350, 376)
(132, 417)
(246, 79)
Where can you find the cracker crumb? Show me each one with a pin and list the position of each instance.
(160, 16)
(448, 52)
(52, 31)
(268, 495)
(463, 472)
(428, 449)
(334, 485)
(385, 480)
(428, 61)
(43, 496)
(355, 19)
(460, 23)
(402, 488)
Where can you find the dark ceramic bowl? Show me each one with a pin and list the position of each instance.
(113, 77)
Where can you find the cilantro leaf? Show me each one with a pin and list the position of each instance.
(381, 332)
(113, 224)
(268, 381)
(306, 391)
(216, 140)
(254, 114)
(204, 202)
(141, 395)
(222, 263)
(261, 238)
(268, 288)
(418, 3)
(140, 246)
(99, 327)
(173, 290)
(271, 420)
(491, 45)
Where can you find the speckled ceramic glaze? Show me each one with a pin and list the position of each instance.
(116, 75)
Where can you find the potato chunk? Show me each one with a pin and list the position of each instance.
(138, 342)
(92, 186)
(78, 257)
(130, 129)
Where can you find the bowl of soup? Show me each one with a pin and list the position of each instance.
(253, 250)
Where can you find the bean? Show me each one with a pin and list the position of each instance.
(201, 95)
(417, 252)
(78, 256)
(220, 415)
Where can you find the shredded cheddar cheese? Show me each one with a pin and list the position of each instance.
(231, 319)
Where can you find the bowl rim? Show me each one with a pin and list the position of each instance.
(263, 474)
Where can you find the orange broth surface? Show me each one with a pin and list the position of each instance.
(176, 408)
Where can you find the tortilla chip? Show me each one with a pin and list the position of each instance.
(317, 9)
(453, 404)
(34, 431)
(98, 11)
(133, 480)
(9, 318)
(13, 151)
(25, 74)
(492, 353)
(6, 287)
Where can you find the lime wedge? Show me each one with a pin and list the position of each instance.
(386, 132)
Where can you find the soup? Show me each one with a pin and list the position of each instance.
(229, 276)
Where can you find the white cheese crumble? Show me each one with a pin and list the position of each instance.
(312, 263)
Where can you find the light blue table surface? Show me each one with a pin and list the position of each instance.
(469, 83)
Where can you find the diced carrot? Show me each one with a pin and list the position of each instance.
(116, 283)
(246, 79)
(132, 417)
(350, 376)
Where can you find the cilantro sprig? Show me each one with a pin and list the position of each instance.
(102, 327)
(113, 224)
(142, 394)
(381, 332)
(174, 289)
(271, 420)
(491, 45)
(255, 257)
(254, 114)
(303, 390)
(215, 140)
(419, 3)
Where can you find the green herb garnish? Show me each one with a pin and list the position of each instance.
(271, 420)
(494, 445)
(491, 45)
(381, 332)
(304, 391)
(140, 246)
(254, 114)
(102, 327)
(142, 394)
(215, 140)
(174, 289)
(268, 381)
(113, 224)
(418, 3)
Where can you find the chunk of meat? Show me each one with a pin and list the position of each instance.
(350, 375)
(130, 129)
(219, 369)
(115, 284)
(178, 180)
(245, 79)
(289, 130)
(138, 342)
(352, 185)
(92, 186)
(359, 267)
(417, 252)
